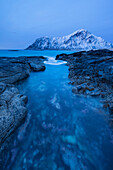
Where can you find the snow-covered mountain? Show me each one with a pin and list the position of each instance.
(81, 39)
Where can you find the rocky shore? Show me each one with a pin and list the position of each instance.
(12, 103)
(91, 73)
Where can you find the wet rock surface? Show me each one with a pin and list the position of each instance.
(13, 69)
(62, 131)
(12, 110)
(12, 104)
(91, 73)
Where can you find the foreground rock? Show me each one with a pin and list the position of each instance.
(12, 104)
(12, 110)
(18, 68)
(91, 73)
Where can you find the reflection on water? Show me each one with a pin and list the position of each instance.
(62, 131)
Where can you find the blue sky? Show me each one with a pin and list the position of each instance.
(22, 21)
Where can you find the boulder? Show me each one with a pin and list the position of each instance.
(37, 67)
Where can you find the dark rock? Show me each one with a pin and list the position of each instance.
(111, 109)
(14, 69)
(24, 99)
(2, 87)
(36, 63)
(13, 50)
(12, 111)
(36, 67)
(91, 73)
(12, 104)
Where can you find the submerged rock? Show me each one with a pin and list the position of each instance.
(47, 164)
(69, 139)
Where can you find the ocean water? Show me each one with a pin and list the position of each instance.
(50, 53)
(62, 131)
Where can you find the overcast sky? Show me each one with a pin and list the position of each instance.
(22, 21)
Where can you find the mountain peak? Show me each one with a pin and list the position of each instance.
(79, 31)
(78, 40)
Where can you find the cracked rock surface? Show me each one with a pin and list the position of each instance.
(12, 110)
(12, 104)
(91, 73)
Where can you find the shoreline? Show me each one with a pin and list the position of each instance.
(90, 73)
(13, 104)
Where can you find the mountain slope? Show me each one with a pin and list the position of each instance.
(81, 39)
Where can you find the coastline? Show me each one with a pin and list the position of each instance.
(13, 104)
(90, 72)
(37, 87)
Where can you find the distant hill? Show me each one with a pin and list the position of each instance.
(80, 39)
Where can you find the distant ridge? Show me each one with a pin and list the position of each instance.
(80, 39)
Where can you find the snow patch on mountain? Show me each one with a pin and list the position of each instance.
(79, 40)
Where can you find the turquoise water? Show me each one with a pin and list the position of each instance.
(50, 53)
(62, 131)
